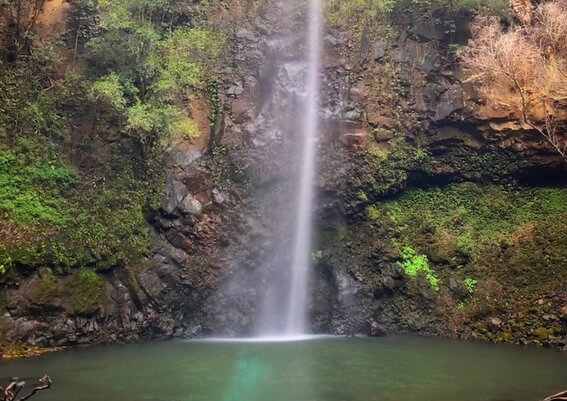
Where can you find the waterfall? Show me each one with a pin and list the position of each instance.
(294, 94)
(300, 267)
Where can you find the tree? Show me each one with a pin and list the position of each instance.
(21, 18)
(146, 68)
(527, 65)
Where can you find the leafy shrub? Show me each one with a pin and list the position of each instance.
(185, 55)
(414, 263)
(159, 123)
(109, 89)
(470, 283)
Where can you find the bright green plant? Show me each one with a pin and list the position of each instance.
(157, 124)
(414, 263)
(109, 89)
(470, 283)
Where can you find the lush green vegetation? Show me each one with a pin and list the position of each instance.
(32, 186)
(480, 232)
(470, 217)
(146, 68)
(133, 68)
(385, 170)
(378, 17)
(47, 289)
(49, 215)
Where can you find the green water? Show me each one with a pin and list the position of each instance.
(334, 369)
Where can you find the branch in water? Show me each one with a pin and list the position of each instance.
(562, 396)
(11, 391)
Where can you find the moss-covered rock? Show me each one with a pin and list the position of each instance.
(88, 292)
(47, 288)
(490, 252)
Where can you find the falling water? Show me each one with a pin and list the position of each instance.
(298, 296)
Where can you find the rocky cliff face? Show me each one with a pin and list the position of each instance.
(396, 116)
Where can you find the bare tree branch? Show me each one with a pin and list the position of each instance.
(529, 62)
(45, 384)
(11, 391)
(562, 396)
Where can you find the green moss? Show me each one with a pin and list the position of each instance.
(359, 17)
(541, 334)
(362, 196)
(33, 185)
(88, 292)
(73, 225)
(506, 336)
(474, 215)
(47, 289)
(505, 243)
(378, 152)
(132, 277)
(374, 212)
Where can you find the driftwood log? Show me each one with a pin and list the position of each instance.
(15, 386)
(562, 396)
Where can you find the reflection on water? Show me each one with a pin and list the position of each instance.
(245, 381)
(332, 369)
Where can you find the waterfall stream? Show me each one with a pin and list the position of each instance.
(296, 96)
(298, 296)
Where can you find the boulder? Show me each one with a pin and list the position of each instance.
(191, 205)
(173, 194)
(219, 197)
(376, 330)
(494, 324)
(379, 49)
(389, 283)
(235, 90)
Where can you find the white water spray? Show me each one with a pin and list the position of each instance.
(296, 323)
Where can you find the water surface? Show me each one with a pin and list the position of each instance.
(332, 369)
